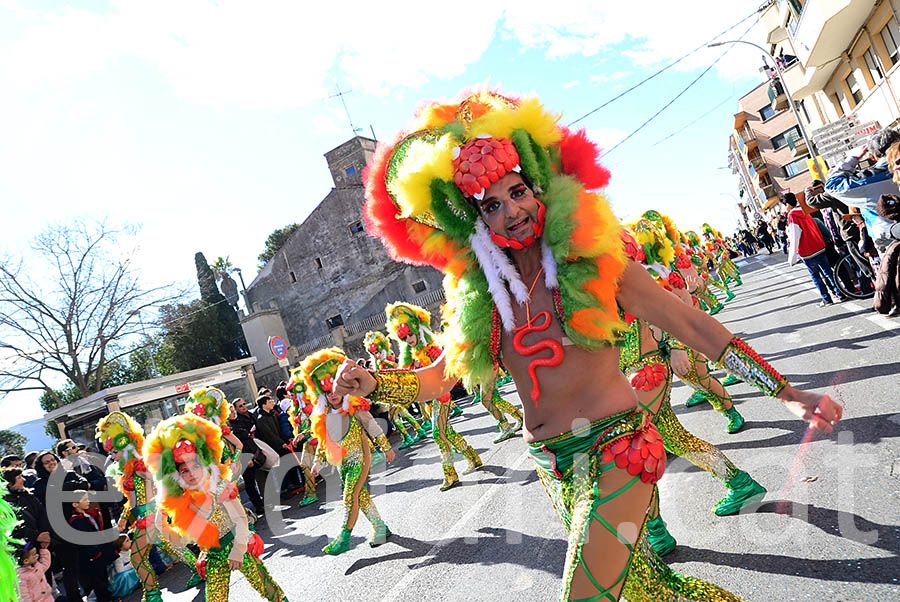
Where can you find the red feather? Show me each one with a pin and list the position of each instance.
(380, 213)
(579, 157)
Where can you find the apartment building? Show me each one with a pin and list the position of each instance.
(767, 151)
(840, 60)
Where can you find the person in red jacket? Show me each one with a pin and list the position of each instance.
(805, 241)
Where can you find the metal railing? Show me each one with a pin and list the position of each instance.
(310, 346)
(376, 321)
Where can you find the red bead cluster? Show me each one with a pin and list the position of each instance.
(557, 302)
(403, 331)
(433, 352)
(649, 377)
(128, 483)
(183, 449)
(199, 410)
(142, 523)
(201, 567)
(226, 430)
(632, 248)
(676, 281)
(481, 162)
(742, 346)
(495, 337)
(641, 453)
(255, 546)
(373, 347)
(683, 262)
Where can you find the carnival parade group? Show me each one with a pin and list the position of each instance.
(588, 316)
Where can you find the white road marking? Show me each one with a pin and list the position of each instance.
(453, 532)
(879, 320)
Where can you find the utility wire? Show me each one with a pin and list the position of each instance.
(677, 96)
(670, 65)
(679, 130)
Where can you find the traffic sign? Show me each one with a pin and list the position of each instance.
(278, 347)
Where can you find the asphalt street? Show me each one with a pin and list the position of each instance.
(827, 530)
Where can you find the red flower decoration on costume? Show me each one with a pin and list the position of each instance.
(183, 449)
(199, 410)
(128, 483)
(327, 383)
(139, 466)
(201, 567)
(108, 445)
(632, 249)
(433, 352)
(141, 523)
(649, 377)
(226, 430)
(373, 347)
(392, 358)
(641, 453)
(314, 442)
(481, 162)
(230, 492)
(403, 330)
(676, 281)
(683, 262)
(255, 545)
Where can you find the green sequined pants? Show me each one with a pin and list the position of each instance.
(604, 510)
(445, 437)
(218, 576)
(700, 379)
(497, 407)
(354, 475)
(399, 414)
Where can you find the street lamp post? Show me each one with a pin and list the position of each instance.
(809, 144)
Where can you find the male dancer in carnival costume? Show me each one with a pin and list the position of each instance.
(300, 411)
(123, 439)
(379, 348)
(690, 366)
(340, 424)
(184, 455)
(645, 358)
(494, 193)
(408, 324)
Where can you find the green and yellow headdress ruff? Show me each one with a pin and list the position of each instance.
(209, 403)
(416, 209)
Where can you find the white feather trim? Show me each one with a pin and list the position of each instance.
(549, 264)
(497, 288)
(345, 405)
(321, 404)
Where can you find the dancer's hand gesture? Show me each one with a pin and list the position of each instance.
(352, 379)
(820, 411)
(389, 455)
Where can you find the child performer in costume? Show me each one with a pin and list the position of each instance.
(656, 232)
(379, 349)
(210, 403)
(123, 439)
(300, 411)
(718, 250)
(700, 258)
(408, 324)
(340, 425)
(494, 193)
(184, 456)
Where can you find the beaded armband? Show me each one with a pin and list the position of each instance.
(395, 386)
(676, 344)
(382, 442)
(740, 360)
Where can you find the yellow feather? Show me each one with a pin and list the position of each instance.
(529, 115)
(423, 163)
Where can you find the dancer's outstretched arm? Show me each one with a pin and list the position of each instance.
(430, 381)
(639, 295)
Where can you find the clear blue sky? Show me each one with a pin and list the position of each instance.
(206, 122)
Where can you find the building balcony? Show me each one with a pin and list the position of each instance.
(773, 24)
(769, 191)
(825, 28)
(759, 165)
(797, 145)
(777, 96)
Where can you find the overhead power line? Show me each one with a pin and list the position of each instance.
(670, 65)
(677, 96)
(681, 129)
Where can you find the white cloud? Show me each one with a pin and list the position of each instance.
(571, 84)
(606, 138)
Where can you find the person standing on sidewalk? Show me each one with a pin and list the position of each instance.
(805, 241)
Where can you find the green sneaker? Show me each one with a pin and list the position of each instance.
(456, 411)
(694, 400)
(377, 458)
(156, 595)
(194, 581)
(507, 431)
(731, 379)
(421, 434)
(735, 420)
(339, 544)
(380, 534)
(660, 538)
(309, 500)
(742, 491)
(407, 441)
(739, 282)
(729, 295)
(716, 309)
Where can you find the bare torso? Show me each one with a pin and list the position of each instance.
(585, 386)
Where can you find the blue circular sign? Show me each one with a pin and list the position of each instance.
(278, 347)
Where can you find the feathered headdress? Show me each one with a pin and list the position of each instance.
(117, 431)
(416, 205)
(403, 318)
(318, 370)
(656, 253)
(209, 403)
(375, 342)
(171, 442)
